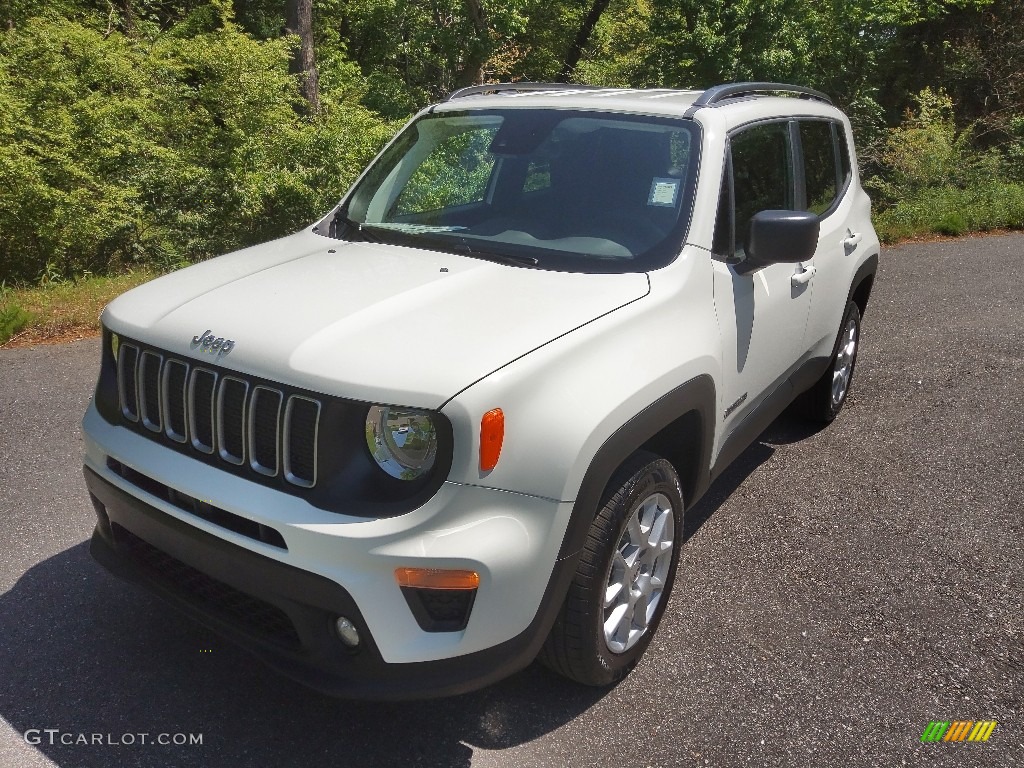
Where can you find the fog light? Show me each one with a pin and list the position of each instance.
(347, 632)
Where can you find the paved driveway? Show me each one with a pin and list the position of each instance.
(838, 590)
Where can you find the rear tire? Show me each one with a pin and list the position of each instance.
(823, 401)
(624, 577)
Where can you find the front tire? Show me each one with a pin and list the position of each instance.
(624, 577)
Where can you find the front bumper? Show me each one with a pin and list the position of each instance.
(511, 540)
(283, 614)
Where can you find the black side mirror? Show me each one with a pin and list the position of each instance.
(781, 236)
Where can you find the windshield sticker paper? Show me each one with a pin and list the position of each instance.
(663, 192)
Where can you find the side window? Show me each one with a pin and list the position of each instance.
(820, 171)
(456, 172)
(762, 165)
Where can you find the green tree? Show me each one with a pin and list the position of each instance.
(413, 51)
(115, 149)
(299, 22)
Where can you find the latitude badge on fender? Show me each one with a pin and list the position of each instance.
(208, 342)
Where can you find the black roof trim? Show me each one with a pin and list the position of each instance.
(711, 97)
(719, 93)
(474, 90)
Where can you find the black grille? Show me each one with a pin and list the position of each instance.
(303, 415)
(440, 610)
(175, 390)
(447, 605)
(217, 414)
(207, 593)
(200, 508)
(127, 369)
(231, 419)
(201, 408)
(149, 390)
(264, 422)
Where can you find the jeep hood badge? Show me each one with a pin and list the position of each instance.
(214, 345)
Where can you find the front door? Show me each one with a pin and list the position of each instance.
(762, 313)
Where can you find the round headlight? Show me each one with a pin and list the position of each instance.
(401, 441)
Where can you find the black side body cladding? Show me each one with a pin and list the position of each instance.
(860, 287)
(765, 412)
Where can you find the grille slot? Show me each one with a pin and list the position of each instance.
(127, 365)
(175, 390)
(201, 391)
(231, 419)
(301, 423)
(264, 420)
(149, 390)
(226, 415)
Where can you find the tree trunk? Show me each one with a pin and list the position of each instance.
(129, 17)
(479, 49)
(572, 56)
(300, 22)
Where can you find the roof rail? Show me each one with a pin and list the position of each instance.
(719, 93)
(473, 90)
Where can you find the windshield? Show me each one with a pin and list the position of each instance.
(555, 189)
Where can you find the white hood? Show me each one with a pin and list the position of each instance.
(373, 322)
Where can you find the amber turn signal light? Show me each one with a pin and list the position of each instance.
(436, 578)
(492, 433)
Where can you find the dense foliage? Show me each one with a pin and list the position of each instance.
(166, 131)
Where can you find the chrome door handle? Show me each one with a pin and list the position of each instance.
(804, 276)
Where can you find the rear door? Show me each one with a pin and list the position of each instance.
(827, 173)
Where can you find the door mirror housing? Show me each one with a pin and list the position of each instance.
(781, 236)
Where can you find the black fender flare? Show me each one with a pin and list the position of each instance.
(696, 396)
(868, 269)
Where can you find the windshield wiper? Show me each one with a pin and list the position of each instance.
(460, 245)
(453, 244)
(505, 258)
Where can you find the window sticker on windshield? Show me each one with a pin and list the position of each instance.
(663, 192)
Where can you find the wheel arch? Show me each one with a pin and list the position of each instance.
(679, 426)
(862, 283)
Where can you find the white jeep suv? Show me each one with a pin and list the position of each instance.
(456, 424)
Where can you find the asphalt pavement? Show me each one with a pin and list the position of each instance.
(838, 590)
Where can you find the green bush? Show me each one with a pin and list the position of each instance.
(116, 151)
(926, 152)
(954, 211)
(930, 178)
(12, 319)
(1015, 149)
